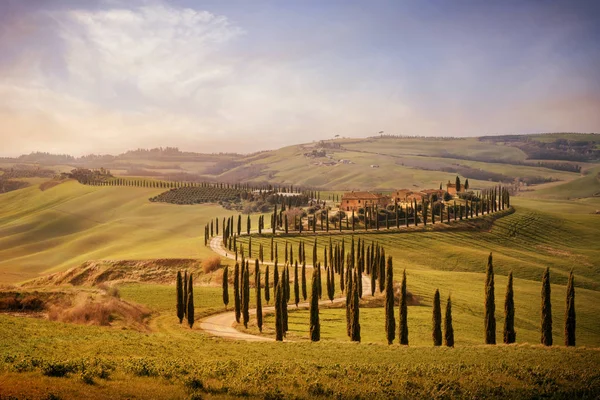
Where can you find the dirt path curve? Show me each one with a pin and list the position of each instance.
(221, 325)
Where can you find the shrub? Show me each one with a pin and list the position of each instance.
(211, 264)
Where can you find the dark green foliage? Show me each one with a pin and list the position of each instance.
(546, 310)
(570, 312)
(437, 320)
(304, 280)
(348, 303)
(190, 303)
(320, 282)
(236, 292)
(275, 274)
(259, 315)
(403, 328)
(510, 336)
(390, 319)
(296, 285)
(226, 286)
(457, 184)
(185, 293)
(279, 312)
(381, 272)
(448, 329)
(246, 295)
(248, 225)
(315, 326)
(490, 304)
(180, 298)
(354, 309)
(285, 282)
(267, 290)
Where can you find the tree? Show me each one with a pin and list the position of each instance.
(570, 312)
(279, 312)
(510, 336)
(248, 225)
(239, 225)
(457, 184)
(285, 282)
(546, 310)
(315, 326)
(490, 304)
(296, 285)
(180, 298)
(403, 321)
(354, 309)
(190, 303)
(390, 320)
(236, 292)
(267, 290)
(466, 184)
(259, 316)
(246, 295)
(448, 329)
(225, 286)
(437, 319)
(304, 279)
(381, 272)
(185, 293)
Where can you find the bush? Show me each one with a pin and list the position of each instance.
(211, 264)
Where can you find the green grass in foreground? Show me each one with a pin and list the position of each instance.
(168, 359)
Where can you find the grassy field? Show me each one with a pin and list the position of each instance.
(52, 230)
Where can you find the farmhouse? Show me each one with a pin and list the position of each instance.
(352, 201)
(451, 188)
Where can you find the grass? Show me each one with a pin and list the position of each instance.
(47, 231)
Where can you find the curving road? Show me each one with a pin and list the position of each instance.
(221, 325)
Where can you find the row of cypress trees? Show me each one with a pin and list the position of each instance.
(185, 298)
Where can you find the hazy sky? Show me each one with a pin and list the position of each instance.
(106, 76)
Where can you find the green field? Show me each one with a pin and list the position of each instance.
(554, 225)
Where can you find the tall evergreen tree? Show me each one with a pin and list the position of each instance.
(304, 280)
(457, 184)
(246, 295)
(390, 319)
(180, 298)
(403, 321)
(267, 290)
(279, 312)
(248, 225)
(239, 225)
(225, 286)
(320, 282)
(315, 326)
(275, 274)
(448, 329)
(381, 272)
(190, 303)
(185, 293)
(570, 312)
(546, 310)
(285, 281)
(296, 285)
(259, 315)
(349, 303)
(510, 336)
(490, 304)
(354, 309)
(236, 292)
(437, 319)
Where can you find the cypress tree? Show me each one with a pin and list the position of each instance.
(180, 298)
(275, 274)
(279, 312)
(236, 292)
(490, 304)
(546, 310)
(382, 271)
(320, 282)
(296, 285)
(437, 320)
(373, 279)
(259, 316)
(457, 182)
(348, 303)
(246, 295)
(330, 283)
(304, 280)
(570, 312)
(403, 328)
(190, 303)
(510, 336)
(271, 248)
(390, 320)
(355, 310)
(248, 225)
(225, 286)
(267, 290)
(286, 297)
(315, 326)
(448, 330)
(185, 293)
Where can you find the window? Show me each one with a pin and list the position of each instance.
(359, 202)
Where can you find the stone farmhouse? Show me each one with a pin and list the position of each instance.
(353, 201)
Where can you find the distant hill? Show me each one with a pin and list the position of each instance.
(377, 163)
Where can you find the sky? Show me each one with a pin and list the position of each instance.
(106, 76)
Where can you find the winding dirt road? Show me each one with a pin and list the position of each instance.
(221, 325)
